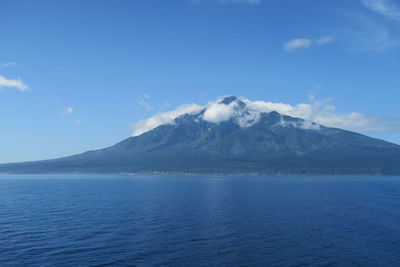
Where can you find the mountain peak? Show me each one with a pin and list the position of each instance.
(233, 136)
(239, 110)
(227, 100)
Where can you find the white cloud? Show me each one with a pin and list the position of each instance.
(216, 112)
(8, 64)
(297, 44)
(67, 111)
(17, 84)
(313, 114)
(164, 118)
(385, 8)
(301, 43)
(143, 102)
(146, 105)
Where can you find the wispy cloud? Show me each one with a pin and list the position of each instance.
(67, 111)
(144, 102)
(318, 111)
(385, 8)
(302, 43)
(15, 84)
(163, 118)
(146, 105)
(324, 40)
(373, 27)
(380, 36)
(8, 64)
(368, 34)
(297, 44)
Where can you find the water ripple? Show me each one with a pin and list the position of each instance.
(199, 221)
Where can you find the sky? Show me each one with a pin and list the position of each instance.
(80, 75)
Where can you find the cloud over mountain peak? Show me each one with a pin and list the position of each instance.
(245, 113)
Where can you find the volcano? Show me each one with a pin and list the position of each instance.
(231, 138)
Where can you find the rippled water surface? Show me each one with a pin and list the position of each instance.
(199, 221)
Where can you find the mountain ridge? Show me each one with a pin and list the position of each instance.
(265, 143)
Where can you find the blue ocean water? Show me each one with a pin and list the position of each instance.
(199, 221)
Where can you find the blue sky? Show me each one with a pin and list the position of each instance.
(76, 75)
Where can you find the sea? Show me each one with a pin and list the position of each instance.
(115, 220)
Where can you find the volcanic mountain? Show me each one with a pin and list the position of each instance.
(233, 139)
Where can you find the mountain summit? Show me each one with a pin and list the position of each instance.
(229, 99)
(231, 136)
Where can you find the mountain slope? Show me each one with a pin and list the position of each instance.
(270, 143)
